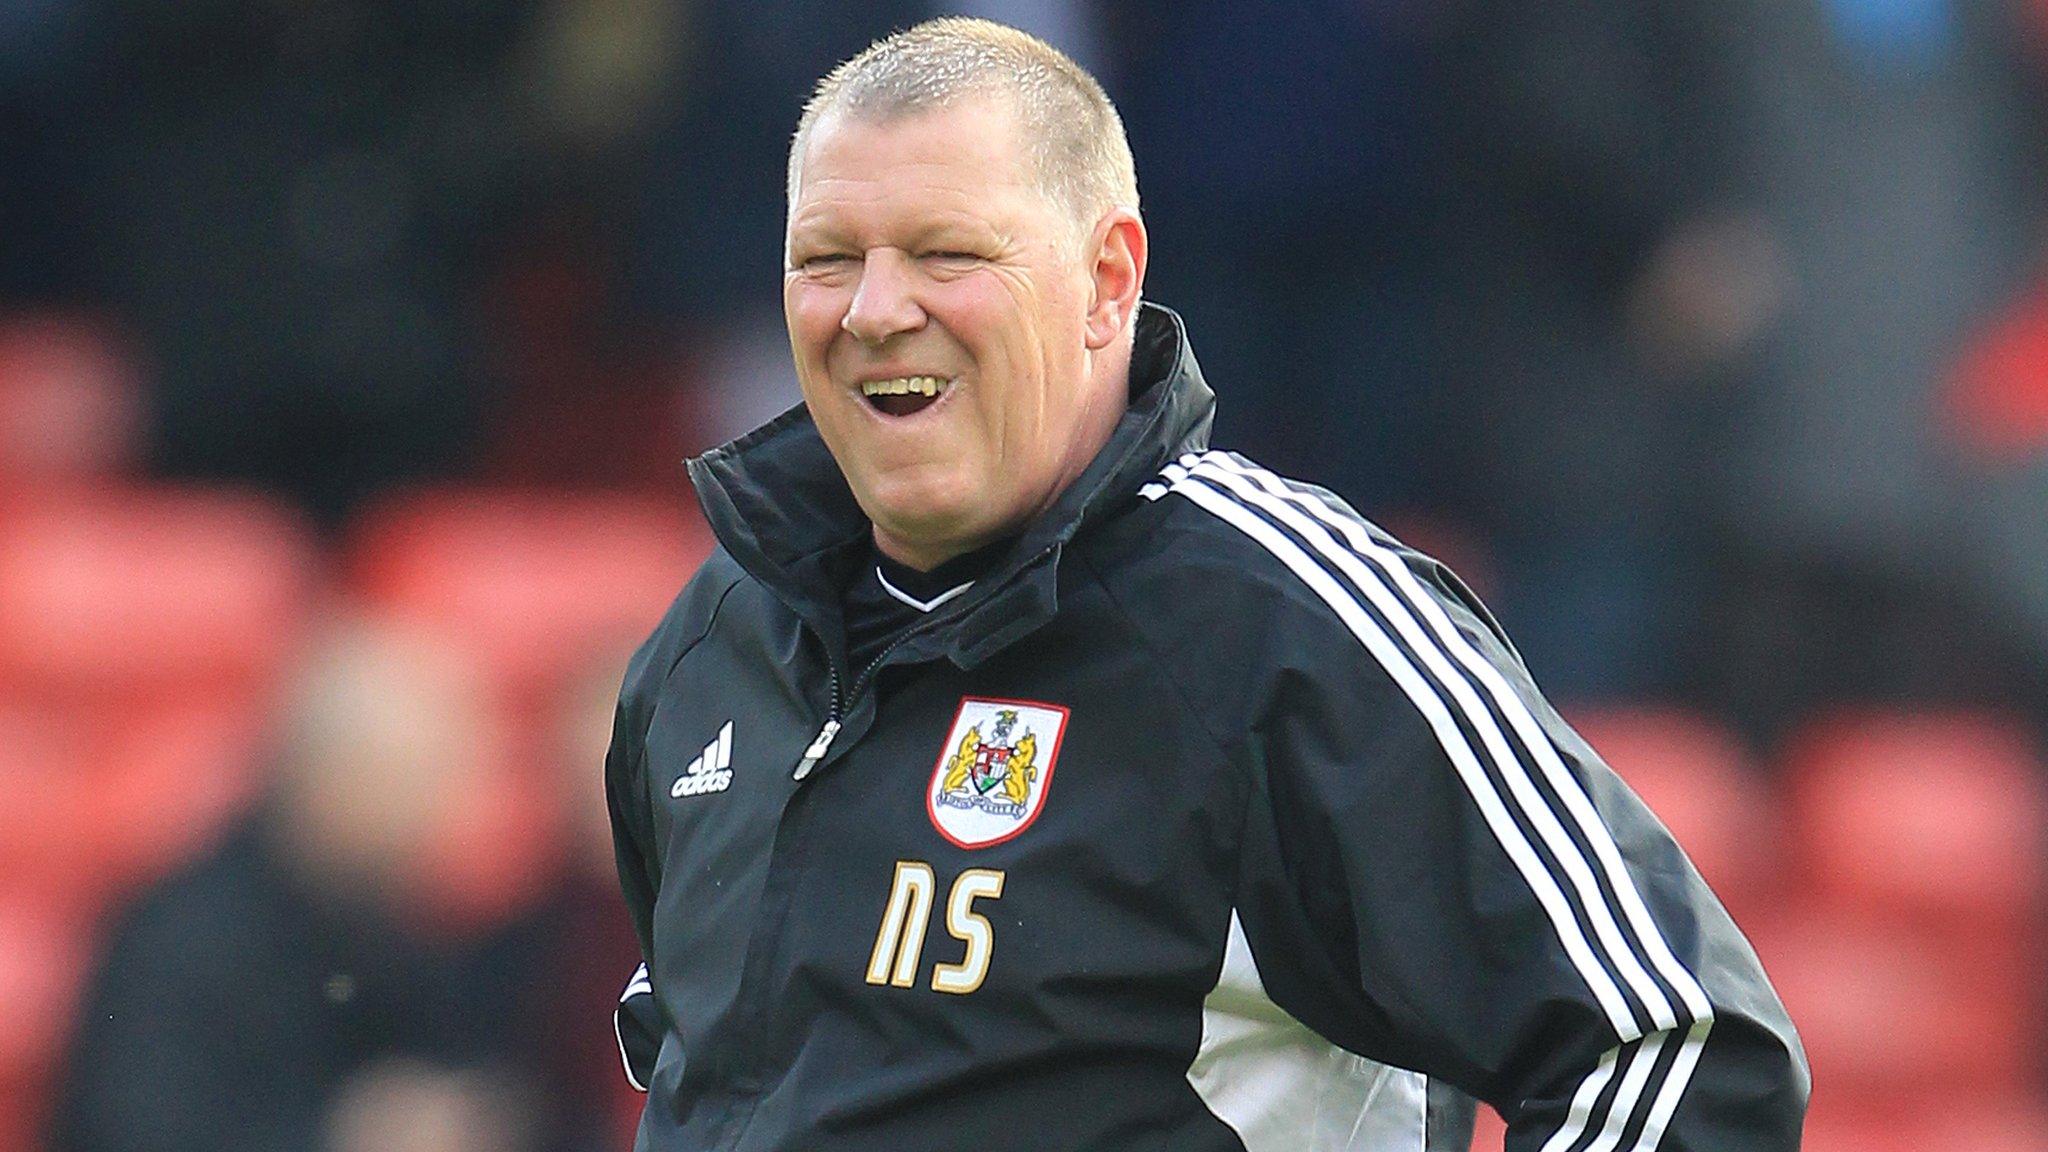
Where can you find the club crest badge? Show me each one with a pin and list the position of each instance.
(994, 769)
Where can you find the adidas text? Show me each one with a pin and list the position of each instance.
(710, 772)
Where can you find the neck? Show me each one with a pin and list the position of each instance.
(922, 556)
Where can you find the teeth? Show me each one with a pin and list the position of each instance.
(905, 386)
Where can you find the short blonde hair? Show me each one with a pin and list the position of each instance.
(1076, 138)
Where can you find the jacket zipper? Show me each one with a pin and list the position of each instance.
(835, 718)
(822, 742)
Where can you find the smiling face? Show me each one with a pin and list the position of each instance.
(961, 349)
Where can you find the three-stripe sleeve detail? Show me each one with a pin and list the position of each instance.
(1462, 696)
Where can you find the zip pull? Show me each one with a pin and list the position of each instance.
(817, 750)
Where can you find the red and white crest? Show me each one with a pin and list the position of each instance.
(994, 770)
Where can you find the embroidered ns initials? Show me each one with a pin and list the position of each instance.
(900, 940)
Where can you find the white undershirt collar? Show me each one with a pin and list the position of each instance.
(914, 602)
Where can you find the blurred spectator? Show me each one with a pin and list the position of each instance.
(1286, 159)
(294, 203)
(1604, 278)
(69, 404)
(1997, 420)
(591, 950)
(1897, 147)
(586, 391)
(409, 1106)
(706, 255)
(45, 66)
(239, 1002)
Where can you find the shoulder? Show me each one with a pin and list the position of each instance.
(1273, 597)
(199, 917)
(688, 620)
(1225, 540)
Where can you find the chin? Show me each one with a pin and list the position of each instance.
(943, 523)
(927, 521)
(913, 495)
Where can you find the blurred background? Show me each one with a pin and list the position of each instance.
(349, 349)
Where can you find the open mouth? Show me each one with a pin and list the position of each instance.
(904, 395)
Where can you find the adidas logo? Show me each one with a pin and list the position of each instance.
(711, 772)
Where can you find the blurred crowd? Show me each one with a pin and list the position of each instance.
(348, 351)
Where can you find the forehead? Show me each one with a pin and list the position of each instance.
(964, 160)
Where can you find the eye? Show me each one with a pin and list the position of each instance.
(952, 258)
(826, 261)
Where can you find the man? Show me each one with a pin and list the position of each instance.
(1018, 774)
(280, 991)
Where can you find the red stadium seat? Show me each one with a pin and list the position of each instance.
(1490, 1132)
(45, 820)
(1998, 1122)
(1996, 395)
(1696, 776)
(1930, 815)
(69, 405)
(1919, 836)
(44, 954)
(97, 803)
(1833, 1125)
(537, 583)
(21, 1112)
(2016, 1123)
(1896, 1017)
(114, 591)
(168, 778)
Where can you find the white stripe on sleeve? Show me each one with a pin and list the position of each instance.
(1521, 787)
(1229, 489)
(1511, 704)
(1426, 701)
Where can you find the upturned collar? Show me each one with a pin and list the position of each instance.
(779, 504)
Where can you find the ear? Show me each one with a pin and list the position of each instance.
(1117, 275)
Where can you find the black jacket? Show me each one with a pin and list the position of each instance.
(1198, 823)
(235, 999)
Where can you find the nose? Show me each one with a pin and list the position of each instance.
(885, 301)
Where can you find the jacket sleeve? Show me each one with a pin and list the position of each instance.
(1440, 875)
(626, 799)
(638, 1021)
